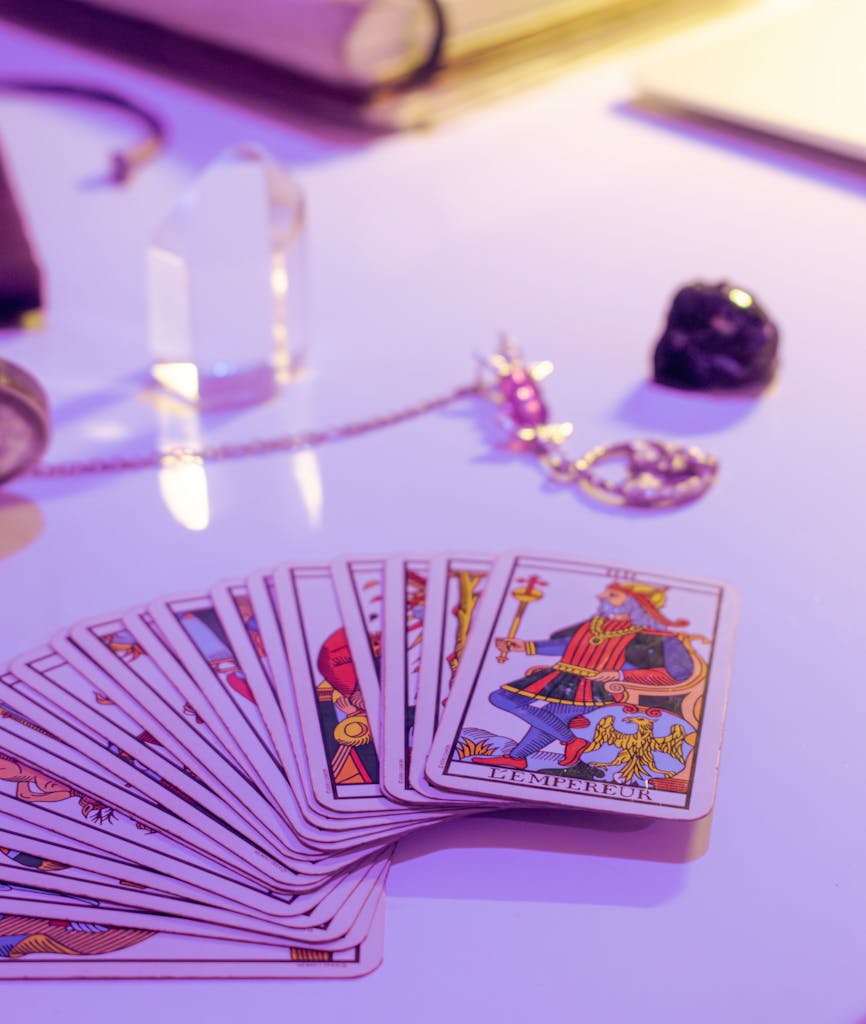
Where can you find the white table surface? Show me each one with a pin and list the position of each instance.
(567, 217)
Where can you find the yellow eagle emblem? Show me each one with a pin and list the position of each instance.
(636, 757)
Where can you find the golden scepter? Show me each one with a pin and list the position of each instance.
(525, 595)
(467, 583)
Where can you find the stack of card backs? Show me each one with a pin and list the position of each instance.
(211, 785)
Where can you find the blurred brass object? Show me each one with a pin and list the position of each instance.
(21, 523)
(25, 423)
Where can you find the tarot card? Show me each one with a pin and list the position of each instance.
(591, 686)
(194, 630)
(96, 901)
(62, 696)
(453, 591)
(403, 634)
(338, 735)
(332, 695)
(48, 861)
(168, 689)
(234, 606)
(270, 652)
(99, 914)
(61, 690)
(98, 838)
(37, 864)
(90, 903)
(191, 625)
(247, 611)
(33, 865)
(83, 765)
(360, 587)
(39, 948)
(147, 691)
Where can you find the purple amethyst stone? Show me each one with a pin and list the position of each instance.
(717, 337)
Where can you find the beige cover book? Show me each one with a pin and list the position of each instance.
(383, 64)
(363, 44)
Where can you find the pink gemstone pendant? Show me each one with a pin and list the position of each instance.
(652, 474)
(516, 389)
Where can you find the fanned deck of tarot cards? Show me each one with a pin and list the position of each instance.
(211, 785)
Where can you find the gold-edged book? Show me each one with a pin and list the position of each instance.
(382, 64)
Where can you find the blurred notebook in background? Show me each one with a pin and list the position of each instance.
(383, 63)
(800, 75)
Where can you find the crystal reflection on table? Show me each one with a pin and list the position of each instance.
(183, 475)
(182, 480)
(226, 283)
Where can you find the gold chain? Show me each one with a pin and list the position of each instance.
(599, 635)
(241, 450)
(657, 474)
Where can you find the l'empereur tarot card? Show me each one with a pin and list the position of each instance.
(591, 686)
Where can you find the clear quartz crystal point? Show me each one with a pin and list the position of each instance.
(225, 281)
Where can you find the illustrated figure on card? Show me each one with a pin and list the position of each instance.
(343, 717)
(206, 632)
(629, 659)
(128, 649)
(468, 584)
(31, 785)
(34, 786)
(248, 616)
(124, 644)
(22, 936)
(18, 889)
(364, 589)
(32, 860)
(416, 595)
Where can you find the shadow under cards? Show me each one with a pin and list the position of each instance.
(550, 856)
